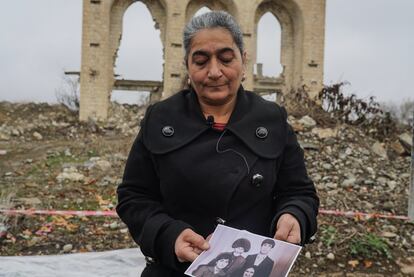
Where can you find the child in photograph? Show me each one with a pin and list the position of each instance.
(248, 272)
(219, 267)
(239, 246)
(260, 262)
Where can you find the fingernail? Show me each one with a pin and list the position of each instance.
(206, 245)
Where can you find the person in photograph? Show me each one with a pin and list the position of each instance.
(240, 246)
(248, 272)
(218, 267)
(260, 262)
(213, 153)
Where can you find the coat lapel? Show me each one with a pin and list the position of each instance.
(182, 113)
(253, 112)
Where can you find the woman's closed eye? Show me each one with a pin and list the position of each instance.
(226, 57)
(200, 59)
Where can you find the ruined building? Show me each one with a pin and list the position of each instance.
(302, 46)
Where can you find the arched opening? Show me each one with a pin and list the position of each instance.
(201, 11)
(268, 59)
(282, 22)
(139, 57)
(197, 7)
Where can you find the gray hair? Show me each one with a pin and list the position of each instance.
(213, 19)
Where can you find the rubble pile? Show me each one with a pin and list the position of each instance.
(36, 122)
(343, 160)
(51, 161)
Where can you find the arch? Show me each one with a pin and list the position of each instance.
(118, 8)
(202, 10)
(133, 52)
(302, 45)
(157, 10)
(151, 55)
(271, 45)
(289, 15)
(194, 5)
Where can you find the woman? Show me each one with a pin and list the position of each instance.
(213, 154)
(218, 267)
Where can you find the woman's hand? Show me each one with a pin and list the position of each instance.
(209, 237)
(288, 229)
(189, 245)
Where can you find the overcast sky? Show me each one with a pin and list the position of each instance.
(368, 43)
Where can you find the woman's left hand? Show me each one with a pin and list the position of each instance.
(288, 229)
(189, 245)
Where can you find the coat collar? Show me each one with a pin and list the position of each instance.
(182, 112)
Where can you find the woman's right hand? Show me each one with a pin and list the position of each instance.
(189, 245)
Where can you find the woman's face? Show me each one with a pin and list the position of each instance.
(222, 263)
(215, 66)
(248, 272)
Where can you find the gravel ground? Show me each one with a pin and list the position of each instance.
(51, 161)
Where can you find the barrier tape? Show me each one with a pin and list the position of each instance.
(360, 215)
(54, 212)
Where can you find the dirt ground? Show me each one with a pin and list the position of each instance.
(50, 161)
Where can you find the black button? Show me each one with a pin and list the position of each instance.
(261, 132)
(167, 131)
(257, 180)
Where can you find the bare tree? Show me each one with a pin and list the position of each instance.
(402, 112)
(406, 111)
(68, 92)
(5, 204)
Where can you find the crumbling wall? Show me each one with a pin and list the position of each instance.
(302, 45)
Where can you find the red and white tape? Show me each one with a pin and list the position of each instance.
(351, 214)
(362, 215)
(55, 212)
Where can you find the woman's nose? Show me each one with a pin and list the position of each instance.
(214, 71)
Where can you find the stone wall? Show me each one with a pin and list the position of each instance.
(302, 45)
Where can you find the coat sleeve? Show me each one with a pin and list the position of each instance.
(295, 192)
(140, 207)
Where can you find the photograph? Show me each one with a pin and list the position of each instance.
(239, 253)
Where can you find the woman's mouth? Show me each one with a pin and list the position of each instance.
(216, 86)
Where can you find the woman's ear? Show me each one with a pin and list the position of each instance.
(244, 58)
(185, 64)
(244, 63)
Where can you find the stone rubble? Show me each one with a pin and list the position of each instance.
(54, 121)
(67, 248)
(406, 141)
(307, 121)
(351, 170)
(70, 174)
(343, 158)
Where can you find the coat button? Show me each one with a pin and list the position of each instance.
(261, 132)
(167, 131)
(257, 180)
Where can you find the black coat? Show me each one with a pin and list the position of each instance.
(197, 174)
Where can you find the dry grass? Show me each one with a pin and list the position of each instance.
(6, 202)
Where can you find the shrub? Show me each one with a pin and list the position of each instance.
(369, 246)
